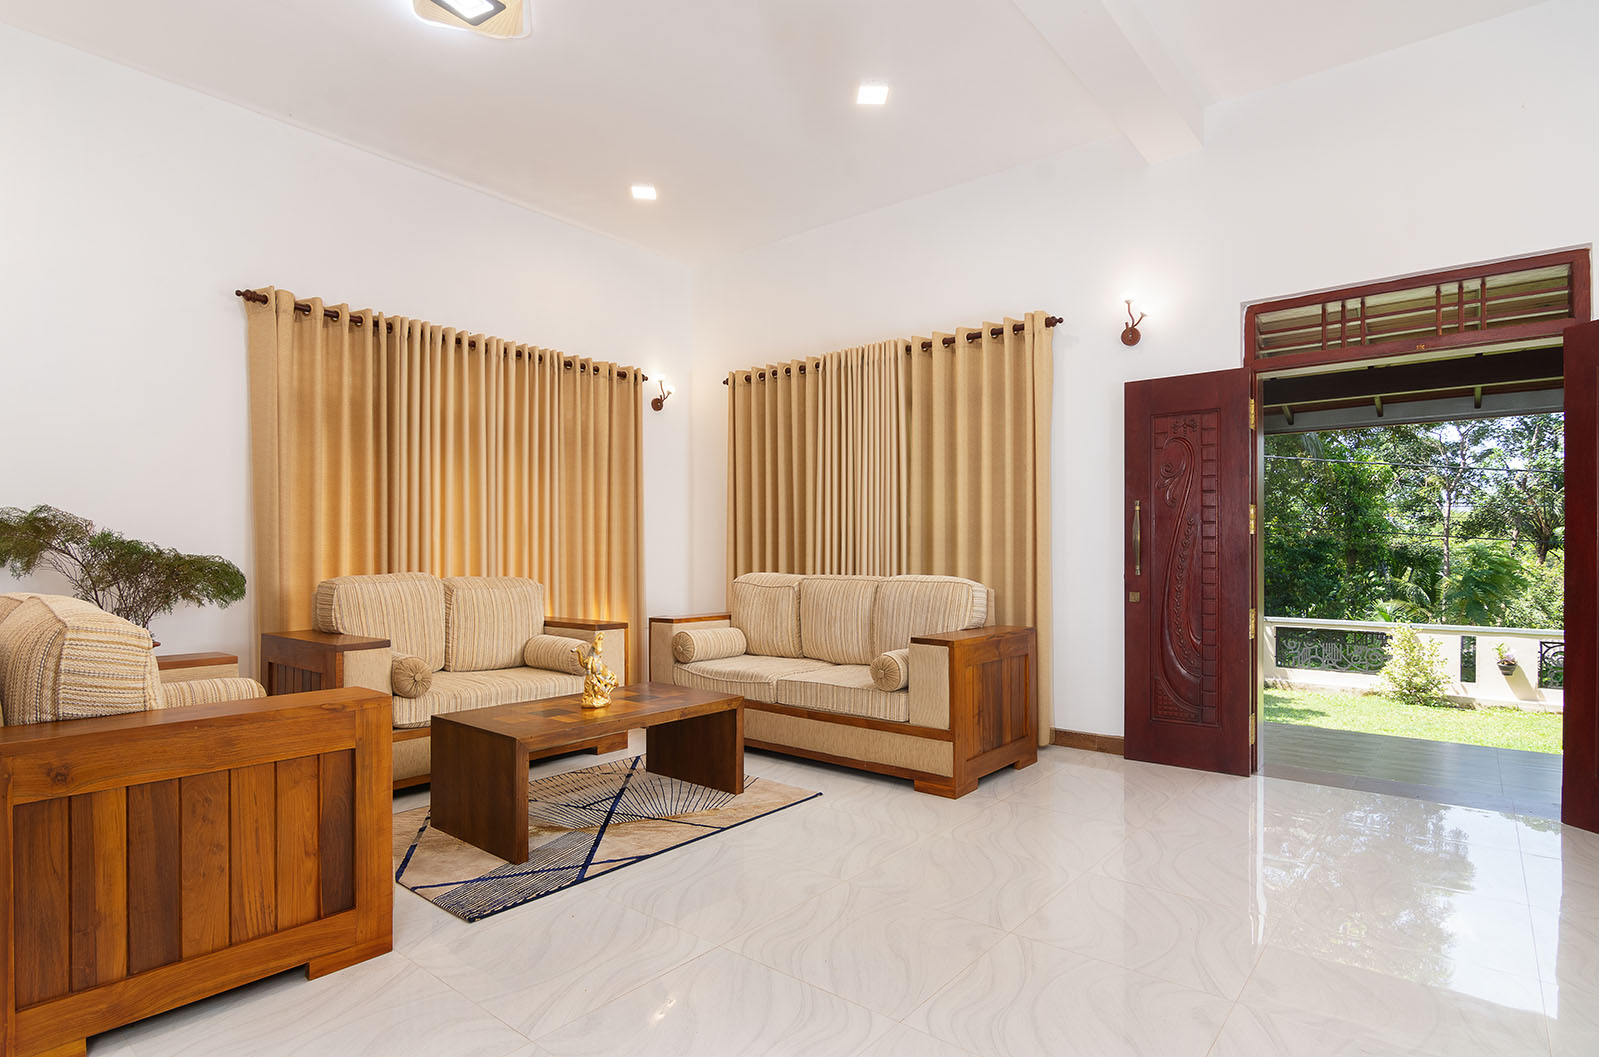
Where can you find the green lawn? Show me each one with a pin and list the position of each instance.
(1501, 728)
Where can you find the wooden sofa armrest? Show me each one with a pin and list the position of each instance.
(990, 698)
(584, 624)
(186, 667)
(156, 858)
(661, 631)
(303, 661)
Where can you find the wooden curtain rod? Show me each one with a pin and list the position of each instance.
(949, 339)
(258, 298)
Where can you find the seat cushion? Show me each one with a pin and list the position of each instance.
(488, 620)
(836, 616)
(765, 607)
(405, 608)
(907, 606)
(845, 688)
(62, 658)
(748, 675)
(459, 691)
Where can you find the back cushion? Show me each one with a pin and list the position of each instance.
(61, 658)
(836, 613)
(925, 605)
(405, 608)
(488, 620)
(766, 608)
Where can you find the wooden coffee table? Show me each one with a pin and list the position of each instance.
(480, 757)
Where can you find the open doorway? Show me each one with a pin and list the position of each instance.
(1470, 338)
(1413, 590)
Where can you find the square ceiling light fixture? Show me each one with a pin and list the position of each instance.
(872, 94)
(492, 18)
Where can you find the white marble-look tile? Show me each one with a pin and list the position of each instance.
(1187, 941)
(1573, 1018)
(1253, 1032)
(1563, 883)
(386, 1007)
(894, 802)
(1407, 818)
(818, 836)
(1394, 925)
(1239, 874)
(716, 890)
(1029, 997)
(587, 952)
(985, 884)
(901, 1041)
(1482, 1013)
(720, 1004)
(883, 953)
(1129, 794)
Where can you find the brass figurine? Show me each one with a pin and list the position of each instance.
(599, 680)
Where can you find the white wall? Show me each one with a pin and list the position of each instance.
(130, 210)
(1476, 145)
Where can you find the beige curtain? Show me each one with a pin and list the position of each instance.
(978, 421)
(889, 458)
(385, 444)
(815, 464)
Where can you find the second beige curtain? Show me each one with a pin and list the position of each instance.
(384, 444)
(892, 458)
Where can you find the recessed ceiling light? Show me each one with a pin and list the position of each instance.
(872, 95)
(644, 192)
(472, 12)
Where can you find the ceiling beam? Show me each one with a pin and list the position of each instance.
(1113, 51)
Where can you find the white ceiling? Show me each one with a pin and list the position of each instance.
(742, 112)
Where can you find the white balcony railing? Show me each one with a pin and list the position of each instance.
(1348, 654)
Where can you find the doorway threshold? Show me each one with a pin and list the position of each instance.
(1511, 780)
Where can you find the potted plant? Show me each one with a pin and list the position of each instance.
(1507, 658)
(135, 580)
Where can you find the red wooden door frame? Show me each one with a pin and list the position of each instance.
(1189, 576)
(1579, 793)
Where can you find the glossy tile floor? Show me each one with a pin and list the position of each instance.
(1082, 906)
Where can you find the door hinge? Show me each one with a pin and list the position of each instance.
(1251, 519)
(1251, 623)
(1251, 412)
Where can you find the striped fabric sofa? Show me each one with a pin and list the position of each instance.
(903, 675)
(164, 841)
(437, 645)
(63, 658)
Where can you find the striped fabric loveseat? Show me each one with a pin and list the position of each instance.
(437, 645)
(903, 675)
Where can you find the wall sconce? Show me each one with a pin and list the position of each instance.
(666, 390)
(1130, 333)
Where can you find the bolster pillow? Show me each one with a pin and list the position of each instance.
(892, 670)
(555, 653)
(708, 644)
(410, 677)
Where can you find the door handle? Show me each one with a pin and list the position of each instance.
(1138, 539)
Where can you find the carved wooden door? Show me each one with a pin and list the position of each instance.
(1189, 571)
(1579, 793)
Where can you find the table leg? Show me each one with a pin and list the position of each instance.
(706, 750)
(479, 790)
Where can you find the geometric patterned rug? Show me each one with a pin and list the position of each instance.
(581, 825)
